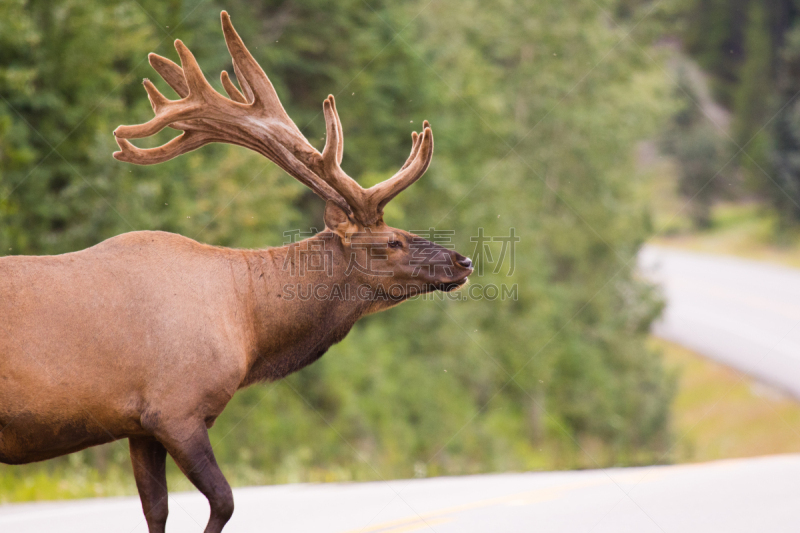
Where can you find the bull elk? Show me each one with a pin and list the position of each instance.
(148, 335)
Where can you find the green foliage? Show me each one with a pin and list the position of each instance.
(787, 129)
(752, 101)
(714, 34)
(751, 96)
(536, 109)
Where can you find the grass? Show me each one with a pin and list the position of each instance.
(719, 414)
(59, 482)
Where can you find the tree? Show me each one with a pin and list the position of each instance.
(787, 129)
(752, 101)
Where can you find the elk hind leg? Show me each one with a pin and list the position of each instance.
(149, 459)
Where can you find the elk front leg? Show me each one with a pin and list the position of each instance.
(193, 454)
(149, 458)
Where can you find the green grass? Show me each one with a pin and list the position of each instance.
(719, 414)
(62, 483)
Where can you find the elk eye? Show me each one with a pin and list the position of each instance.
(395, 244)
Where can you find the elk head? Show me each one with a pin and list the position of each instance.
(253, 117)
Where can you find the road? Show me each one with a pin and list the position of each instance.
(745, 314)
(725, 496)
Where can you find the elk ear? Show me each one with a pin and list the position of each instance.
(338, 222)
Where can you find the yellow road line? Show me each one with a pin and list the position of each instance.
(521, 498)
(416, 526)
(415, 523)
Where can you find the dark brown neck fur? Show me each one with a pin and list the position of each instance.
(293, 327)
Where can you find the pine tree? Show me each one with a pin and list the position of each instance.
(752, 101)
(786, 132)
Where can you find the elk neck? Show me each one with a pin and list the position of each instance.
(300, 300)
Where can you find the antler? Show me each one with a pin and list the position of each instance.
(254, 118)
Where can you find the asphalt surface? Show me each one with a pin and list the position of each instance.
(745, 314)
(724, 496)
(742, 313)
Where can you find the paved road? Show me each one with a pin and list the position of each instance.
(742, 313)
(745, 495)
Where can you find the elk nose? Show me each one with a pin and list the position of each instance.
(465, 262)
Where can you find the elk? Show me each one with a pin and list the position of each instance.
(148, 335)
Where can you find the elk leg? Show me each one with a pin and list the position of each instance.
(149, 458)
(195, 458)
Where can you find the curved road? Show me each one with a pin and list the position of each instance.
(745, 314)
(742, 313)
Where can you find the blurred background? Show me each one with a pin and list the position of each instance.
(584, 128)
